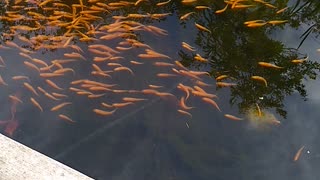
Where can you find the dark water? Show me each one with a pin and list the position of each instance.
(150, 139)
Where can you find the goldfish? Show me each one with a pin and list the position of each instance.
(270, 5)
(281, 10)
(184, 112)
(183, 104)
(104, 113)
(256, 24)
(130, 99)
(298, 154)
(225, 84)
(50, 75)
(66, 118)
(202, 28)
(154, 86)
(188, 1)
(212, 102)
(136, 62)
(2, 81)
(123, 69)
(163, 3)
(163, 64)
(30, 88)
(106, 105)
(15, 98)
(269, 65)
(275, 22)
(63, 70)
(155, 54)
(189, 74)
(31, 65)
(59, 95)
(178, 63)
(222, 10)
(232, 117)
(221, 77)
(165, 75)
(96, 95)
(51, 96)
(199, 58)
(242, 6)
(203, 94)
(201, 83)
(59, 106)
(298, 61)
(254, 21)
(138, 2)
(202, 7)
(259, 78)
(54, 85)
(188, 47)
(35, 103)
(185, 16)
(2, 61)
(39, 61)
(120, 105)
(155, 30)
(185, 89)
(74, 55)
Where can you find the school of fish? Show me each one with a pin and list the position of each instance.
(109, 50)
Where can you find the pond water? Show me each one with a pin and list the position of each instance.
(164, 90)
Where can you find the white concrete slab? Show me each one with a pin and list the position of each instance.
(18, 162)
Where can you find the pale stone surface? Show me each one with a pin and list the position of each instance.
(18, 162)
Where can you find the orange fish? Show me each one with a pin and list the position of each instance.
(123, 69)
(130, 99)
(66, 118)
(163, 3)
(59, 106)
(120, 105)
(184, 112)
(202, 28)
(2, 81)
(183, 104)
(20, 78)
(185, 16)
(232, 117)
(281, 10)
(298, 154)
(212, 102)
(30, 88)
(259, 78)
(104, 113)
(225, 84)
(269, 65)
(54, 85)
(15, 98)
(35, 103)
(222, 10)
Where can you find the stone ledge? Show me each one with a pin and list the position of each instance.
(19, 162)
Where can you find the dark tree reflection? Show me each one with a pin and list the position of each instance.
(235, 50)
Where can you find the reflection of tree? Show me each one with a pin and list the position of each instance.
(235, 50)
(305, 12)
